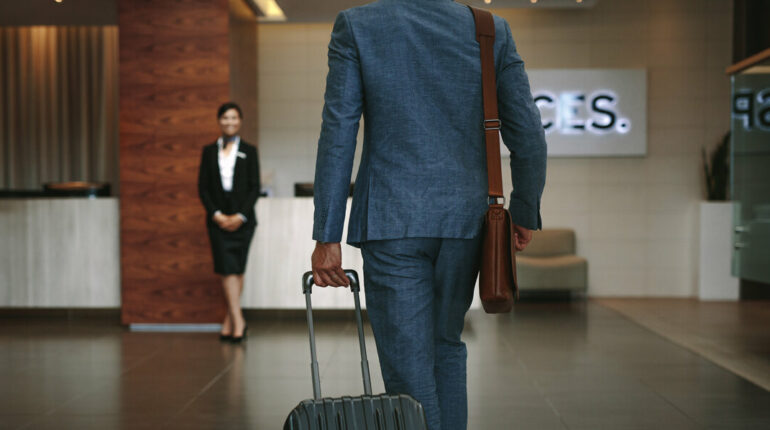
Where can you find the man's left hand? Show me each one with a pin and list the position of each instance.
(521, 237)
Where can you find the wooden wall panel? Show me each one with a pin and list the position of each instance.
(174, 73)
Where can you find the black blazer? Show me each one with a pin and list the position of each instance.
(246, 183)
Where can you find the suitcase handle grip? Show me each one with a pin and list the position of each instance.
(307, 281)
(355, 288)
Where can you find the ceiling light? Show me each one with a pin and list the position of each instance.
(487, 1)
(271, 10)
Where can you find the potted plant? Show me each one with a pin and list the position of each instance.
(715, 281)
(717, 170)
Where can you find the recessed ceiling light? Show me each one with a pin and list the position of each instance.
(487, 1)
(58, 1)
(271, 10)
(533, 1)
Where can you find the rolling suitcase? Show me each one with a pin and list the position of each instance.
(380, 412)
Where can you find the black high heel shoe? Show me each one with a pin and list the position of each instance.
(239, 339)
(225, 337)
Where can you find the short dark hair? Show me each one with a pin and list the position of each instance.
(226, 107)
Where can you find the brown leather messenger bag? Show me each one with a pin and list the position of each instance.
(497, 280)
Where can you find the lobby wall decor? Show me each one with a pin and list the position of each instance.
(592, 112)
(174, 73)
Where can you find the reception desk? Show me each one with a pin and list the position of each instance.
(65, 253)
(280, 254)
(59, 253)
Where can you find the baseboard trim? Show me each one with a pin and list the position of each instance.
(175, 328)
(115, 313)
(61, 313)
(295, 314)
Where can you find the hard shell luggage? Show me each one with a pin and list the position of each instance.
(380, 412)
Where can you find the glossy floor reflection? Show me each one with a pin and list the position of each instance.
(547, 366)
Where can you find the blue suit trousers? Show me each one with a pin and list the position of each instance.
(418, 291)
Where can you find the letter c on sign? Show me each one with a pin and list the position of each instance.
(545, 101)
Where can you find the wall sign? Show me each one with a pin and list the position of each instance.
(751, 108)
(592, 112)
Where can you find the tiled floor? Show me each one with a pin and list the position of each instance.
(735, 335)
(546, 366)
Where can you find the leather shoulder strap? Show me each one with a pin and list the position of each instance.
(485, 35)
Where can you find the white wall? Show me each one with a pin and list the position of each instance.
(292, 77)
(636, 219)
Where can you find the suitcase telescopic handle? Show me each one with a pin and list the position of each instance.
(308, 282)
(355, 288)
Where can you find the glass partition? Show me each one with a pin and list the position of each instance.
(750, 173)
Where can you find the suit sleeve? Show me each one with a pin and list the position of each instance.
(255, 186)
(523, 134)
(343, 104)
(204, 185)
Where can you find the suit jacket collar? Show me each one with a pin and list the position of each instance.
(221, 140)
(238, 163)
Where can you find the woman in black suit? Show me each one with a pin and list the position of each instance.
(229, 186)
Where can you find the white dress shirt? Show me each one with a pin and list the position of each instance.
(227, 166)
(227, 162)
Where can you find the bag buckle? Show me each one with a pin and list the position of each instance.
(493, 200)
(492, 124)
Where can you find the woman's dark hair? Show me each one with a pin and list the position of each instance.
(226, 107)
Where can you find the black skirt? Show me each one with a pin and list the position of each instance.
(230, 249)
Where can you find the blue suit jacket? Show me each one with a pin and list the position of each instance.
(412, 68)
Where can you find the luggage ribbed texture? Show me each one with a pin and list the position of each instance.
(382, 412)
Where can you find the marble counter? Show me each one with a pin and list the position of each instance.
(66, 253)
(59, 252)
(280, 254)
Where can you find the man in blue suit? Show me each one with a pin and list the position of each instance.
(412, 68)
